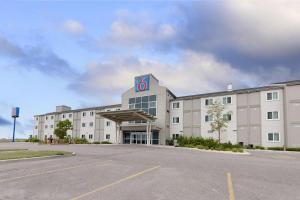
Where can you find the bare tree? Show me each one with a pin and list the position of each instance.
(219, 118)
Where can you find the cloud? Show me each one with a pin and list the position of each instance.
(137, 30)
(193, 73)
(74, 27)
(38, 57)
(4, 122)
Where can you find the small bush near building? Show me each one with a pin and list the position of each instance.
(80, 141)
(260, 147)
(106, 142)
(96, 142)
(293, 149)
(32, 139)
(276, 148)
(170, 142)
(210, 143)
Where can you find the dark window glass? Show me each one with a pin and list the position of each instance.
(269, 96)
(144, 105)
(145, 110)
(206, 102)
(137, 121)
(228, 99)
(270, 136)
(152, 111)
(270, 115)
(152, 98)
(145, 99)
(206, 118)
(131, 100)
(138, 100)
(138, 105)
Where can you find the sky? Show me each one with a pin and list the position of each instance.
(86, 53)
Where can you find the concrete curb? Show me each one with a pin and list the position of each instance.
(35, 158)
(203, 150)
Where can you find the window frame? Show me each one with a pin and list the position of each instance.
(175, 103)
(272, 96)
(273, 137)
(278, 115)
(176, 117)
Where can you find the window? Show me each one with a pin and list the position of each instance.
(273, 137)
(175, 120)
(131, 106)
(175, 105)
(146, 103)
(152, 104)
(91, 124)
(46, 126)
(91, 113)
(51, 126)
(226, 100)
(208, 102)
(273, 115)
(70, 115)
(175, 136)
(90, 136)
(131, 100)
(46, 117)
(227, 117)
(82, 136)
(208, 118)
(152, 98)
(52, 117)
(83, 114)
(36, 118)
(83, 124)
(107, 136)
(108, 123)
(271, 96)
(35, 127)
(63, 116)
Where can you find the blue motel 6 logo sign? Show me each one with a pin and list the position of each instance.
(142, 83)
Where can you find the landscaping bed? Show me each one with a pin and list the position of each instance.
(207, 144)
(18, 154)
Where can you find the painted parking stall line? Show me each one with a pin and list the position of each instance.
(104, 163)
(116, 183)
(230, 187)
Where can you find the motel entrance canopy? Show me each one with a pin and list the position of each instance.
(120, 116)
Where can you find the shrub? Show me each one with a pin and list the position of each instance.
(67, 139)
(293, 149)
(241, 150)
(275, 148)
(96, 142)
(32, 139)
(80, 141)
(170, 142)
(260, 147)
(106, 142)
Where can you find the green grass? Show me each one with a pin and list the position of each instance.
(7, 155)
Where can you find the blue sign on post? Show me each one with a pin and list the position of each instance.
(142, 83)
(15, 113)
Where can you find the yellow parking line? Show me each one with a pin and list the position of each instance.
(115, 183)
(230, 187)
(104, 163)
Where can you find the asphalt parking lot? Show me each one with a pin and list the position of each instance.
(110, 172)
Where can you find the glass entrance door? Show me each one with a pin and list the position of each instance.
(138, 138)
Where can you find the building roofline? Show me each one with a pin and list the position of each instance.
(221, 93)
(82, 109)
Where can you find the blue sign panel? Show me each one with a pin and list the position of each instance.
(15, 112)
(142, 83)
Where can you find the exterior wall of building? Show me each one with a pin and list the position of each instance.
(110, 129)
(87, 129)
(49, 126)
(228, 135)
(292, 105)
(176, 128)
(192, 117)
(271, 125)
(162, 105)
(249, 119)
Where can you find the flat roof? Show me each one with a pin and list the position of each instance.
(126, 115)
(83, 109)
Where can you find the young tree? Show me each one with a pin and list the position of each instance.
(62, 127)
(220, 119)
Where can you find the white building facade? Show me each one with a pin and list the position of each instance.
(264, 116)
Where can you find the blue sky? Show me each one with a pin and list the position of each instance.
(86, 53)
